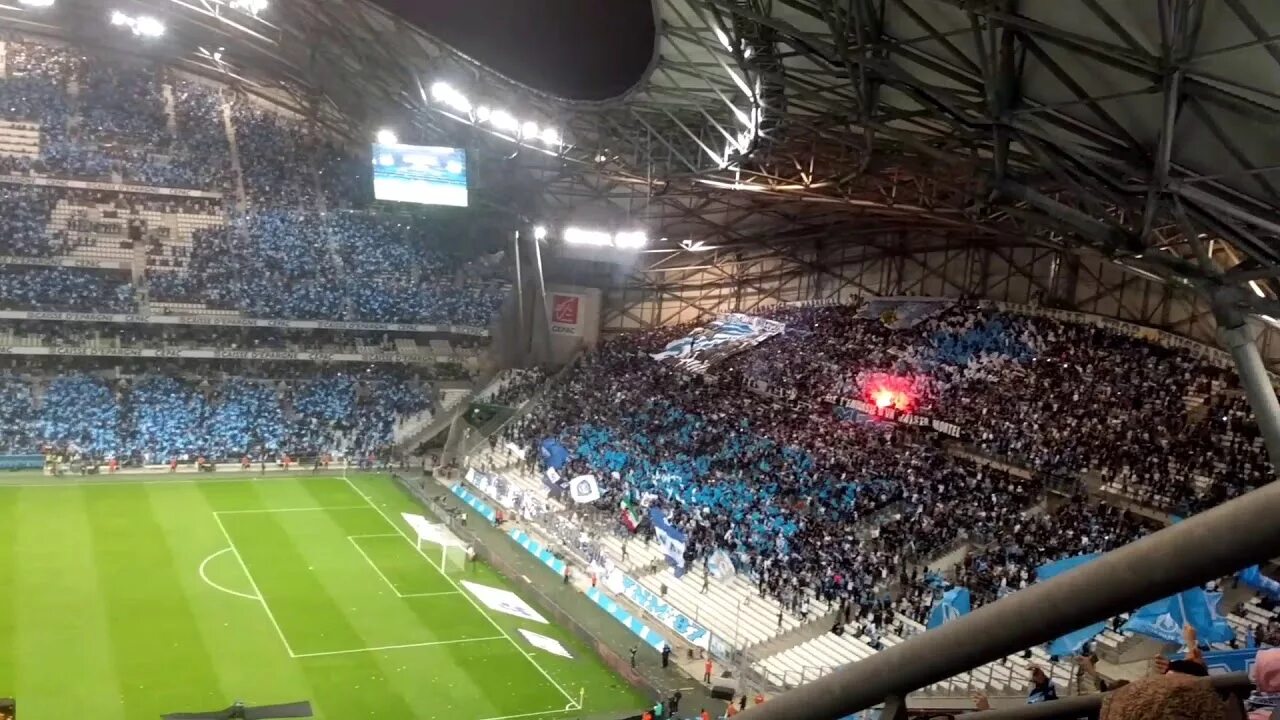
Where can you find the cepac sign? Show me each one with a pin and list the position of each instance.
(566, 314)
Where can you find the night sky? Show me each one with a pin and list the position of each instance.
(579, 49)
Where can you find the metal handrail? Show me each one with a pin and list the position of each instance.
(1205, 547)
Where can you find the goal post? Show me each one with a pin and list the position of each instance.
(436, 541)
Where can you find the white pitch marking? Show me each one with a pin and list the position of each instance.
(293, 509)
(398, 647)
(470, 599)
(369, 560)
(567, 708)
(254, 585)
(215, 585)
(58, 483)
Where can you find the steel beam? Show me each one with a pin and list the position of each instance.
(1202, 548)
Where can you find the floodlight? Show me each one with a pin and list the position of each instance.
(551, 137)
(36, 3)
(482, 113)
(529, 130)
(503, 120)
(143, 25)
(630, 240)
(581, 236)
(147, 26)
(539, 232)
(387, 137)
(253, 7)
(450, 96)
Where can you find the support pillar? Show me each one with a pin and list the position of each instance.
(1240, 337)
(519, 358)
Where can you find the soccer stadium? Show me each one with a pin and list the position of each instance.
(639, 359)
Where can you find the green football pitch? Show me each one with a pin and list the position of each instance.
(128, 599)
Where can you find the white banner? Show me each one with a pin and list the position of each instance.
(107, 186)
(503, 601)
(584, 489)
(205, 354)
(542, 642)
(237, 321)
(63, 262)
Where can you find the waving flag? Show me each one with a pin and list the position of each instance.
(1253, 577)
(584, 489)
(553, 453)
(631, 515)
(953, 603)
(1163, 619)
(1072, 642)
(671, 540)
(717, 340)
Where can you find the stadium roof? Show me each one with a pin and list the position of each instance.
(1140, 130)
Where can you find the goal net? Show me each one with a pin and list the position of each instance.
(437, 542)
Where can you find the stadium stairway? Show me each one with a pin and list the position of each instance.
(411, 438)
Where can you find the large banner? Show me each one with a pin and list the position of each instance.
(106, 186)
(238, 321)
(693, 633)
(718, 340)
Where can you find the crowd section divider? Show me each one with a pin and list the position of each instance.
(612, 656)
(617, 583)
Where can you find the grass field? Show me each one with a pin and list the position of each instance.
(127, 599)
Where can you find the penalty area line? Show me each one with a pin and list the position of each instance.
(215, 585)
(470, 599)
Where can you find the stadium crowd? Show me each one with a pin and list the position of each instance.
(282, 256)
(146, 414)
(755, 459)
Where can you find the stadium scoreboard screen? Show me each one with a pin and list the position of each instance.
(422, 174)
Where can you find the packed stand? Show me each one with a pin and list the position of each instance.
(157, 416)
(300, 265)
(1030, 389)
(67, 289)
(757, 457)
(779, 487)
(276, 156)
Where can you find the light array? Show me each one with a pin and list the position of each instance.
(142, 25)
(36, 3)
(252, 7)
(622, 240)
(496, 118)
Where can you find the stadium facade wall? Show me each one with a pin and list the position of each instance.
(695, 286)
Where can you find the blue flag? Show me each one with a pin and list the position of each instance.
(953, 603)
(1163, 619)
(671, 540)
(1072, 642)
(553, 453)
(1253, 577)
